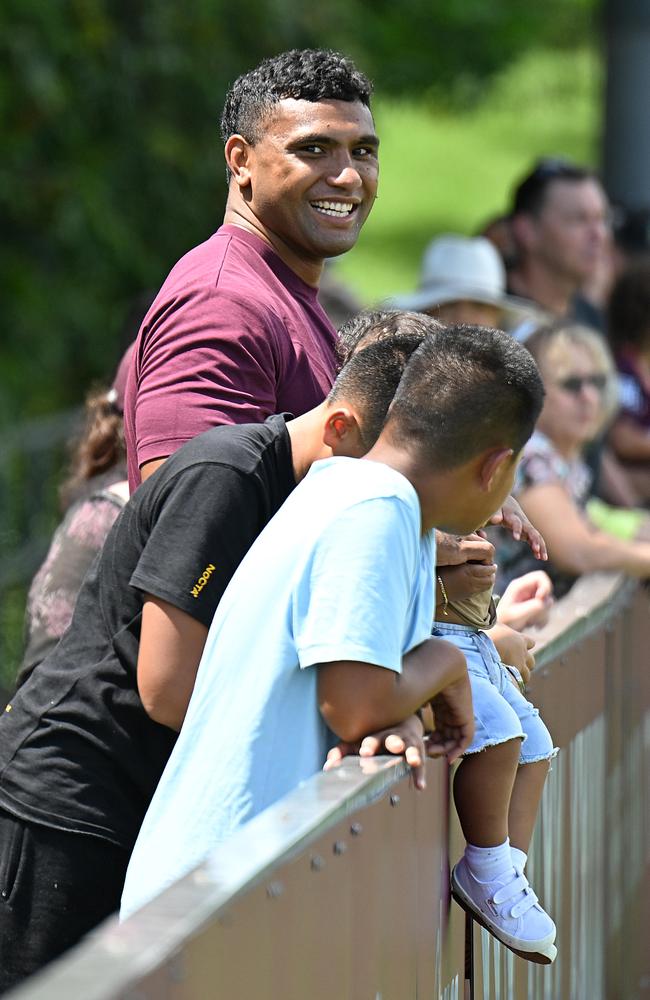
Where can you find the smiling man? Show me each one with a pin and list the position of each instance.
(236, 332)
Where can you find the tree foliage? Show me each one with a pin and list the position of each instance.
(111, 163)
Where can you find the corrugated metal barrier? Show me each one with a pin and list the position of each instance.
(341, 890)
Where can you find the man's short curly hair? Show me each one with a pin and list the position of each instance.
(302, 74)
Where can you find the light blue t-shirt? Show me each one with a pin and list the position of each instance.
(341, 572)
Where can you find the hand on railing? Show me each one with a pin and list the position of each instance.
(407, 739)
(415, 738)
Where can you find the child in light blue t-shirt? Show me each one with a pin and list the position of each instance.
(341, 563)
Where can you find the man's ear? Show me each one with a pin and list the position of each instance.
(494, 465)
(341, 432)
(238, 154)
(524, 230)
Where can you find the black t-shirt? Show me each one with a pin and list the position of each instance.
(77, 750)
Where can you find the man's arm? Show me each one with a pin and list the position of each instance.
(149, 468)
(357, 699)
(214, 361)
(200, 524)
(171, 645)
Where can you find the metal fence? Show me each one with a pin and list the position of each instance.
(341, 890)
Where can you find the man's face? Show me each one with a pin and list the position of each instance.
(313, 176)
(478, 506)
(570, 231)
(466, 311)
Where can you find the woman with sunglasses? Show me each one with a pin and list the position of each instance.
(555, 481)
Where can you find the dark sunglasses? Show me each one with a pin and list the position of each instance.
(574, 383)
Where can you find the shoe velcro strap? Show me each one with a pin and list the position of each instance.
(513, 888)
(524, 904)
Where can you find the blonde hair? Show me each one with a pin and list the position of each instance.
(550, 346)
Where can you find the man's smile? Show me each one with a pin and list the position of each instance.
(335, 209)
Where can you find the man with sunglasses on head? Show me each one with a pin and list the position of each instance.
(560, 227)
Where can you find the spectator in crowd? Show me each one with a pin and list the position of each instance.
(554, 481)
(463, 280)
(85, 740)
(92, 497)
(347, 561)
(630, 236)
(629, 337)
(236, 332)
(560, 226)
(498, 230)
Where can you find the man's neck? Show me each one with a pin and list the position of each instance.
(306, 436)
(308, 271)
(532, 280)
(433, 491)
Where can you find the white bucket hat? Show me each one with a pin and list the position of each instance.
(461, 268)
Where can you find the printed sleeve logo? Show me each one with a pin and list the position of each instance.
(202, 580)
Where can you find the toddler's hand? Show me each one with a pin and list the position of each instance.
(512, 517)
(514, 648)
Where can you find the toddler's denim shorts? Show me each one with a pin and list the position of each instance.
(501, 712)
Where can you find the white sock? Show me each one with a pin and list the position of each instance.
(488, 863)
(519, 858)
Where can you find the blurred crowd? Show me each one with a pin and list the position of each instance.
(568, 274)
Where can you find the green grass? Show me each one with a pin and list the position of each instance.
(445, 170)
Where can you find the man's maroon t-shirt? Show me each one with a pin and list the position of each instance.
(233, 336)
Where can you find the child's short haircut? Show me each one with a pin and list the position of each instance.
(465, 390)
(371, 325)
(378, 346)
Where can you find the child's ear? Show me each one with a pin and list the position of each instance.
(494, 465)
(341, 432)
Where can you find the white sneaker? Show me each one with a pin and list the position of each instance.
(507, 907)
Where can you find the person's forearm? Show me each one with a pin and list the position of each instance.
(358, 698)
(630, 442)
(602, 552)
(171, 644)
